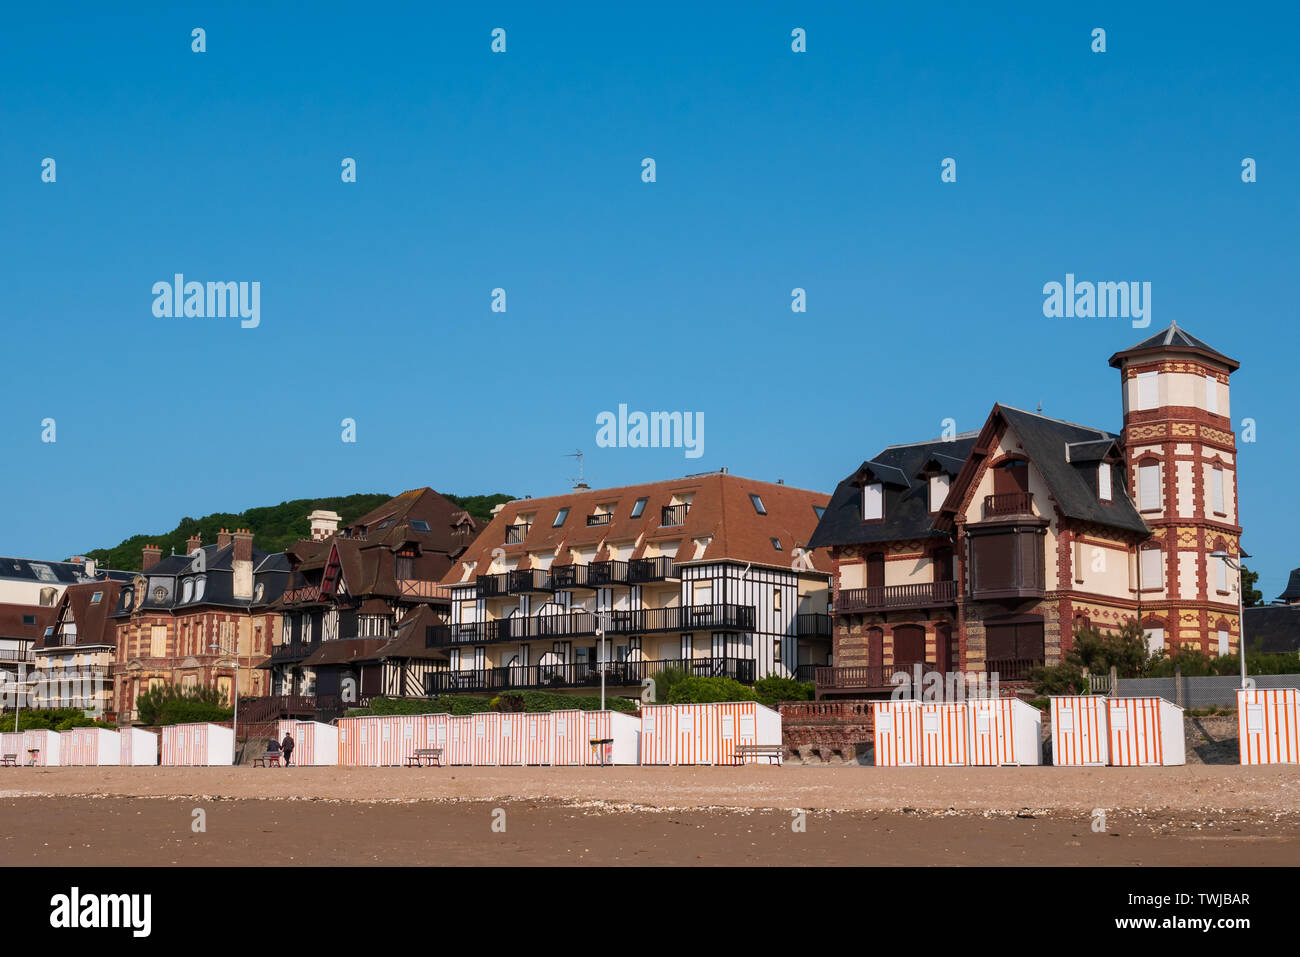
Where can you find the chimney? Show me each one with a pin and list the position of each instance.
(193, 544)
(582, 487)
(243, 540)
(90, 568)
(152, 555)
(324, 524)
(223, 538)
(241, 564)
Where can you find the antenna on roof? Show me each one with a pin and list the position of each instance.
(1040, 406)
(580, 485)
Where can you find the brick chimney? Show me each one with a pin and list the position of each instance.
(152, 555)
(193, 544)
(323, 524)
(243, 540)
(241, 564)
(223, 538)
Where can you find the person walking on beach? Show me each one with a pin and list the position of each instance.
(287, 747)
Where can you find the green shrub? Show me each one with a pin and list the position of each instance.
(171, 704)
(701, 690)
(775, 689)
(51, 719)
(665, 680)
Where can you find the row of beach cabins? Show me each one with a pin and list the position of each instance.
(1087, 731)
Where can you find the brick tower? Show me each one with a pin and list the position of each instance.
(1181, 456)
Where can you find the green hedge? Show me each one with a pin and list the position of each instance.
(530, 701)
(775, 689)
(701, 690)
(51, 719)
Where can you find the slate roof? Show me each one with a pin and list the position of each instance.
(1173, 340)
(721, 511)
(1273, 628)
(343, 651)
(1292, 590)
(270, 570)
(907, 514)
(55, 573)
(1073, 484)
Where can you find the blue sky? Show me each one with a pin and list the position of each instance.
(522, 171)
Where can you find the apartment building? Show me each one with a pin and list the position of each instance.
(75, 654)
(709, 572)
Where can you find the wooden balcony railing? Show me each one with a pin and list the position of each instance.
(1012, 669)
(863, 678)
(857, 601)
(415, 588)
(294, 596)
(1008, 503)
(600, 518)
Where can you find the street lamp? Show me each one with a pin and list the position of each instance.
(234, 724)
(1235, 562)
(600, 649)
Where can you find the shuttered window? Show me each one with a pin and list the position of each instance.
(1216, 487)
(1152, 568)
(1148, 390)
(1149, 487)
(938, 491)
(1212, 394)
(1103, 481)
(873, 501)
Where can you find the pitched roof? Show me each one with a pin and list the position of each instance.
(1272, 629)
(92, 618)
(343, 651)
(270, 572)
(1175, 340)
(1292, 590)
(408, 640)
(721, 510)
(12, 616)
(55, 573)
(907, 514)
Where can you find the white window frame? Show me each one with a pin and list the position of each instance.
(1104, 491)
(1216, 491)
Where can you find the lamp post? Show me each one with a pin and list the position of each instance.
(234, 724)
(600, 648)
(1232, 562)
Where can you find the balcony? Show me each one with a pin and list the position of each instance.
(12, 654)
(304, 595)
(292, 651)
(673, 515)
(515, 534)
(586, 623)
(642, 570)
(1012, 669)
(1007, 504)
(527, 581)
(584, 674)
(607, 573)
(879, 598)
(863, 679)
(490, 586)
(423, 590)
(599, 518)
(813, 626)
(1007, 559)
(568, 577)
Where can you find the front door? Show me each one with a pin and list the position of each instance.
(909, 646)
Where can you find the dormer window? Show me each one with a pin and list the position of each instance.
(187, 594)
(1103, 481)
(938, 490)
(873, 502)
(199, 584)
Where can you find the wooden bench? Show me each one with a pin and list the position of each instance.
(425, 757)
(9, 761)
(268, 760)
(773, 752)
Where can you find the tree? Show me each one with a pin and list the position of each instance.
(1251, 596)
(1097, 652)
(170, 704)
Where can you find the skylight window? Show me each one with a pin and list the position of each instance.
(819, 510)
(419, 525)
(44, 573)
(758, 504)
(639, 507)
(560, 516)
(776, 543)
(96, 598)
